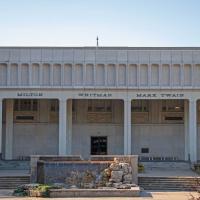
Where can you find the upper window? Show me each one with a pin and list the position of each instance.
(25, 105)
(172, 105)
(140, 106)
(54, 106)
(73, 105)
(99, 106)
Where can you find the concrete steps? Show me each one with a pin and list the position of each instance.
(170, 183)
(12, 182)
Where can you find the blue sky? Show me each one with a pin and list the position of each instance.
(116, 22)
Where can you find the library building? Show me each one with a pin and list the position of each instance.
(100, 101)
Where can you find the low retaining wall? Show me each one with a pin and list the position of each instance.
(61, 193)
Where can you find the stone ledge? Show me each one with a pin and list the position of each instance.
(133, 192)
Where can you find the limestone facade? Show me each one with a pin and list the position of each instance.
(123, 75)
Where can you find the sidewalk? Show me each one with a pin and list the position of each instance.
(147, 195)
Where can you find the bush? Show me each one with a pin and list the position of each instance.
(20, 192)
(34, 190)
(140, 168)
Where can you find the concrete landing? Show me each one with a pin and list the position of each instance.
(168, 173)
(61, 193)
(14, 173)
(167, 169)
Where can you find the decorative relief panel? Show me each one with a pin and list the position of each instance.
(132, 75)
(67, 75)
(3, 74)
(35, 74)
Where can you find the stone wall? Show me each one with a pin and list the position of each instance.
(109, 171)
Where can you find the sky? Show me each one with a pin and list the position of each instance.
(116, 22)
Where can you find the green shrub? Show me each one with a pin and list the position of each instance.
(140, 168)
(20, 192)
(40, 189)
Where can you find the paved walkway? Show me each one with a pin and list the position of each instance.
(7, 194)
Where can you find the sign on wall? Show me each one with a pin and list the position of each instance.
(29, 94)
(160, 95)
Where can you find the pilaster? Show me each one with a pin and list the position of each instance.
(9, 130)
(186, 128)
(1, 109)
(127, 127)
(62, 127)
(193, 130)
(69, 127)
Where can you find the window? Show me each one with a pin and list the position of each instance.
(140, 106)
(26, 105)
(99, 105)
(73, 105)
(172, 106)
(173, 111)
(54, 106)
(26, 110)
(99, 145)
(25, 117)
(174, 118)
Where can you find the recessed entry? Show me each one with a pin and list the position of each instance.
(99, 145)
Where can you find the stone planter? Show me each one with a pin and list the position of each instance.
(37, 193)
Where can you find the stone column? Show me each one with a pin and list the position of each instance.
(127, 127)
(9, 130)
(186, 127)
(1, 109)
(193, 130)
(69, 132)
(62, 127)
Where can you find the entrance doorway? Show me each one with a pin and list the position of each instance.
(99, 145)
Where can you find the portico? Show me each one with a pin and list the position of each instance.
(69, 130)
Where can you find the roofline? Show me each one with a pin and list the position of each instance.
(101, 47)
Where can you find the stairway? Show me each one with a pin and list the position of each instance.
(168, 176)
(12, 182)
(170, 183)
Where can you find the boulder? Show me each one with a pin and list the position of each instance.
(124, 167)
(115, 167)
(127, 178)
(116, 176)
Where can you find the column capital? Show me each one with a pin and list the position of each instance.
(192, 100)
(62, 99)
(128, 100)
